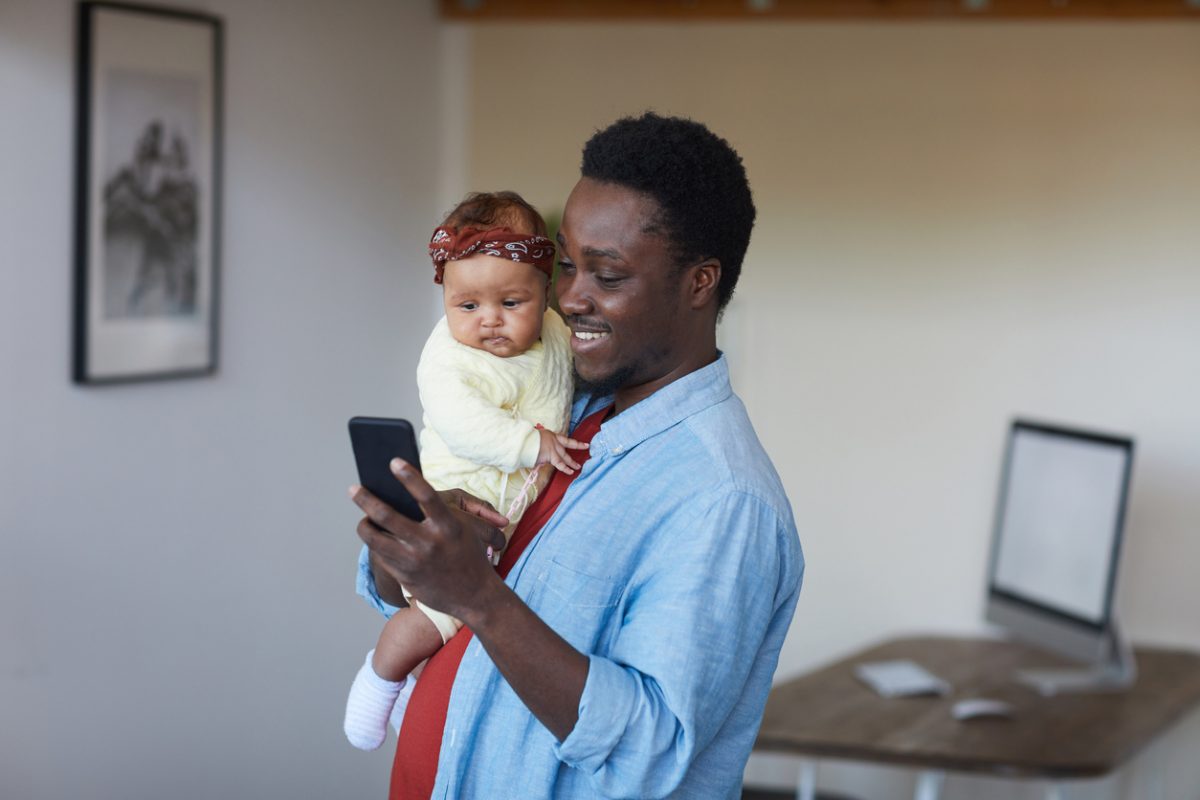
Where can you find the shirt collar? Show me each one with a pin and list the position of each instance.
(665, 408)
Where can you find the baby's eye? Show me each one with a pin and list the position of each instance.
(511, 303)
(468, 306)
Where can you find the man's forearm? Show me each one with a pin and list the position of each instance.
(546, 672)
(387, 587)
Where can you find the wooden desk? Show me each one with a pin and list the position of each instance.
(830, 713)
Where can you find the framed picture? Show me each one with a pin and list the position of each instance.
(147, 211)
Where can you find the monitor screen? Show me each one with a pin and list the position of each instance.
(1059, 520)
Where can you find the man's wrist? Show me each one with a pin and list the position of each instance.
(493, 597)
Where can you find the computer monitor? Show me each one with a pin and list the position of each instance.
(1060, 519)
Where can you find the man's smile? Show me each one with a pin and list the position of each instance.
(584, 343)
(586, 338)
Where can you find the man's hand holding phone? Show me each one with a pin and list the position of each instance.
(385, 451)
(438, 558)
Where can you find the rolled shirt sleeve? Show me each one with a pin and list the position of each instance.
(364, 584)
(691, 646)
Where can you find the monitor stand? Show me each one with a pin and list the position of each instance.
(1117, 672)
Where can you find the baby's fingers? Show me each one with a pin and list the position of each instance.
(566, 441)
(564, 459)
(563, 462)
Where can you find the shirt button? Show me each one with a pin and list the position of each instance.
(618, 450)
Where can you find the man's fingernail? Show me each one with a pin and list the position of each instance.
(352, 490)
(397, 465)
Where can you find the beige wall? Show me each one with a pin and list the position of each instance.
(957, 223)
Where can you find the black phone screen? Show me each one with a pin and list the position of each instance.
(376, 441)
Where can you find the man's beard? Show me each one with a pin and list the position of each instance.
(607, 385)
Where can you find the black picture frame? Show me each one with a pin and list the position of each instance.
(148, 193)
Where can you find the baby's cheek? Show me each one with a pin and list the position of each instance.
(535, 330)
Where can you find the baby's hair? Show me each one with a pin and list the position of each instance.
(496, 210)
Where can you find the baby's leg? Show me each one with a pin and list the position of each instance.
(408, 638)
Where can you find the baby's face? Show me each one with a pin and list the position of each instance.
(494, 304)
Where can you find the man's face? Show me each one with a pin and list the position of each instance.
(619, 290)
(494, 304)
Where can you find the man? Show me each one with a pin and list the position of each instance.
(629, 651)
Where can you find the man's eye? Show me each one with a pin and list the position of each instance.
(609, 281)
(566, 267)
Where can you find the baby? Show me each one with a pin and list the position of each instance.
(495, 381)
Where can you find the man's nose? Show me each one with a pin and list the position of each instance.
(570, 300)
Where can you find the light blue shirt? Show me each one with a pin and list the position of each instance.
(673, 564)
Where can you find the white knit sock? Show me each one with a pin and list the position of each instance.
(369, 706)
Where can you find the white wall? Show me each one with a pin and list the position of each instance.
(177, 616)
(957, 223)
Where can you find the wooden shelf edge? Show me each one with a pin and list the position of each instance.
(813, 10)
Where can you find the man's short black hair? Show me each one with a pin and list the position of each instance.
(695, 176)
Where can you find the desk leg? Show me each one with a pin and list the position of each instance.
(806, 785)
(929, 785)
(1155, 784)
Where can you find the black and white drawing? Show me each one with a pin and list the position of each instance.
(151, 197)
(148, 205)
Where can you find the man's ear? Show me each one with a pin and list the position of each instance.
(705, 279)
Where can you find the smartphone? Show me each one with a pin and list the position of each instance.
(376, 441)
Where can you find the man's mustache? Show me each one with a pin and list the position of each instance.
(591, 324)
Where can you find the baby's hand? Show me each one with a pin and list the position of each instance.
(554, 448)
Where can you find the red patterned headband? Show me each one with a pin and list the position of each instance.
(453, 244)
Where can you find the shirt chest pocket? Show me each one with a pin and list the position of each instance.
(573, 584)
(578, 604)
